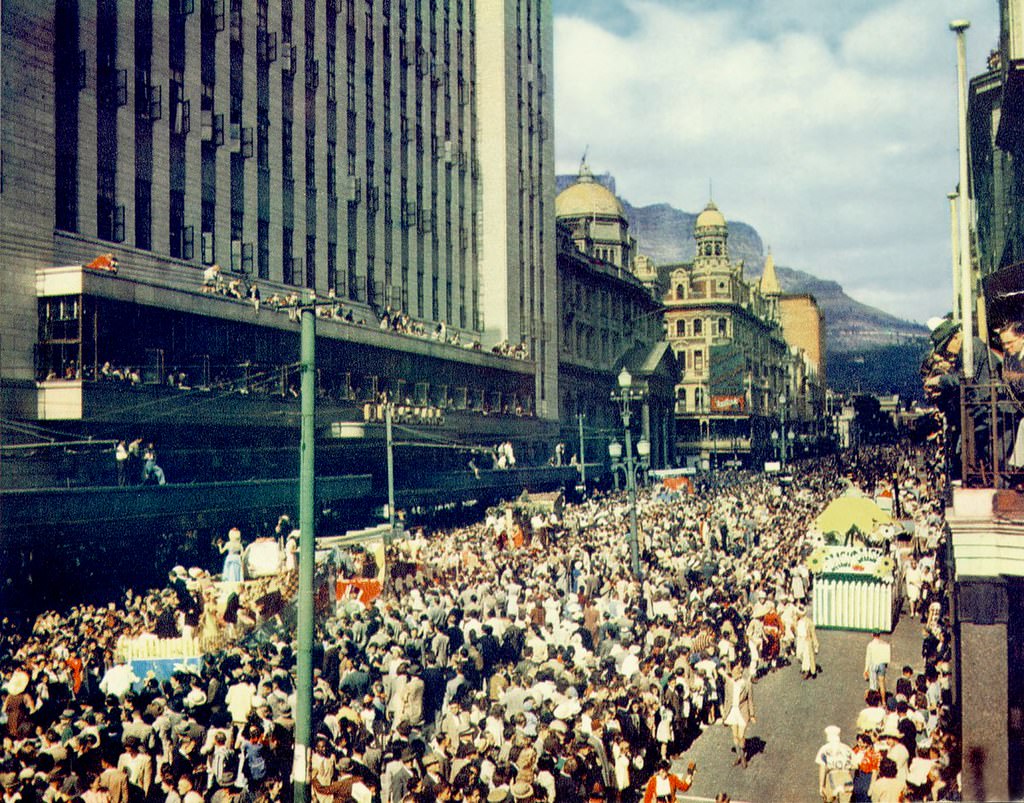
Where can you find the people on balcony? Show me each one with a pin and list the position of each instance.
(943, 373)
(1011, 340)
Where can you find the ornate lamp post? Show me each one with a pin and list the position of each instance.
(625, 396)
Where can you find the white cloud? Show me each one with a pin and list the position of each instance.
(835, 139)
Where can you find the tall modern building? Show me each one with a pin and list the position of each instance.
(390, 153)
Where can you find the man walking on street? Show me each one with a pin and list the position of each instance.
(835, 768)
(740, 711)
(876, 661)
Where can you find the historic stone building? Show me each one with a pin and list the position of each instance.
(610, 319)
(733, 358)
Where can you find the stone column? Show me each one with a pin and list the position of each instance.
(982, 676)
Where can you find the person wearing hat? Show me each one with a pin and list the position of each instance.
(522, 791)
(944, 374)
(806, 643)
(340, 790)
(895, 750)
(740, 711)
(433, 773)
(499, 794)
(835, 762)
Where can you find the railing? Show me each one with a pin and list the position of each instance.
(991, 425)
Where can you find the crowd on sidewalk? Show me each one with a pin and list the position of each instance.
(905, 744)
(544, 672)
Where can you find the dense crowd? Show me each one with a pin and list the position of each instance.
(534, 668)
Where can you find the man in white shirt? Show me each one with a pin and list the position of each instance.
(835, 762)
(877, 657)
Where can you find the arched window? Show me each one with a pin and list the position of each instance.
(707, 250)
(698, 399)
(680, 291)
(680, 328)
(723, 327)
(718, 249)
(698, 326)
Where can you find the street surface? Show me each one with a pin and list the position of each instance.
(791, 716)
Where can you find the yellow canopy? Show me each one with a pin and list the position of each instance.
(847, 512)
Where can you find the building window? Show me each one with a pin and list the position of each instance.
(680, 328)
(698, 326)
(723, 327)
(698, 360)
(680, 292)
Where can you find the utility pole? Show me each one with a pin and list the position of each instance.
(390, 443)
(307, 535)
(954, 233)
(583, 458)
(966, 273)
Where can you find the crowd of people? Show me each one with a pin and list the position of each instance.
(991, 452)
(906, 745)
(331, 307)
(488, 671)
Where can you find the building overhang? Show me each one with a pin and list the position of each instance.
(1010, 134)
(76, 280)
(987, 532)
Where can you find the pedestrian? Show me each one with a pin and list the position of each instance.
(876, 660)
(806, 643)
(835, 762)
(151, 472)
(740, 712)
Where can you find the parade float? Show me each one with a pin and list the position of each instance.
(854, 588)
(855, 582)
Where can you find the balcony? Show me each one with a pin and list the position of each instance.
(990, 419)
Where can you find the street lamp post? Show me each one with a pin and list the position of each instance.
(625, 395)
(959, 27)
(782, 429)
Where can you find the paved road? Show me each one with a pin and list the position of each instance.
(791, 716)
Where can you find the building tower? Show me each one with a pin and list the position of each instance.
(597, 219)
(514, 117)
(712, 236)
(770, 288)
(393, 153)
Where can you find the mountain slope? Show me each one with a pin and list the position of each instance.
(666, 235)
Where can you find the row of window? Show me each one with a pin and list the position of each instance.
(695, 328)
(183, 242)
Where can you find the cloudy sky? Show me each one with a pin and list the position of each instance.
(828, 125)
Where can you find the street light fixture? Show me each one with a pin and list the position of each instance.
(782, 435)
(626, 394)
(959, 28)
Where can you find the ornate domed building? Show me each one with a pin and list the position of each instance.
(610, 320)
(730, 349)
(596, 219)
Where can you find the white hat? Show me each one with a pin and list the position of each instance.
(832, 733)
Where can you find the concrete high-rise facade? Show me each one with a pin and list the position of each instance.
(515, 108)
(395, 153)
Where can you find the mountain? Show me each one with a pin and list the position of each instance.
(868, 350)
(666, 235)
